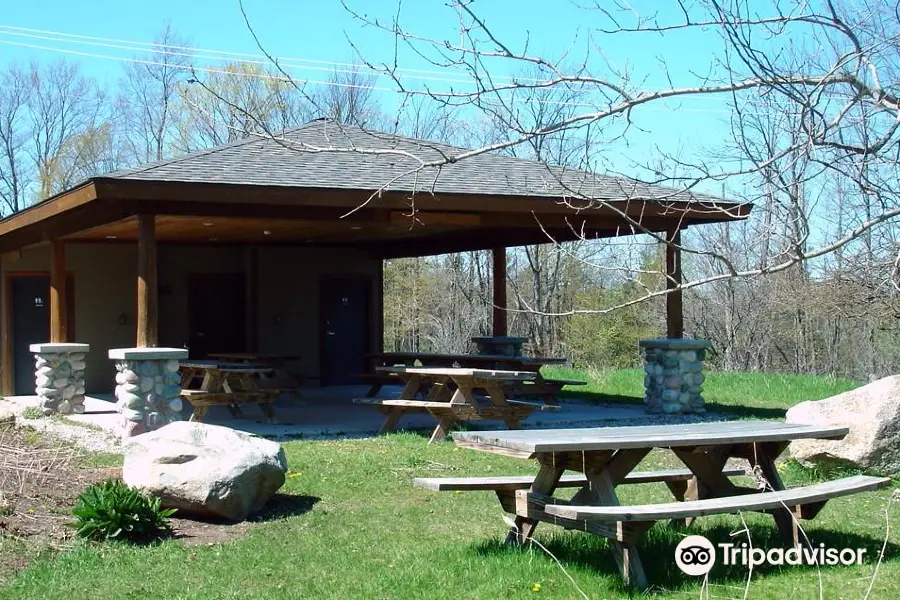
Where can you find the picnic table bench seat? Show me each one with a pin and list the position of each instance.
(508, 483)
(201, 400)
(814, 496)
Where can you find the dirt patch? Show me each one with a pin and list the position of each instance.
(40, 479)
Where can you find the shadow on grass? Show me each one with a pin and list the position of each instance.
(737, 410)
(759, 412)
(599, 398)
(657, 550)
(281, 506)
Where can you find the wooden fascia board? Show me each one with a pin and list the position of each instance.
(256, 195)
(481, 240)
(56, 205)
(59, 226)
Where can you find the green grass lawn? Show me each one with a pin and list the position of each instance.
(362, 531)
(759, 395)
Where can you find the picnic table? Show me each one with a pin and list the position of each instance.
(229, 384)
(279, 376)
(537, 386)
(451, 397)
(604, 458)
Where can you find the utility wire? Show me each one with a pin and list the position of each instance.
(175, 50)
(295, 64)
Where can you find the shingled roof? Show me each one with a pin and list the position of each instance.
(324, 154)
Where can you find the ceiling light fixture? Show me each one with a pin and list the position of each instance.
(207, 223)
(266, 232)
(112, 237)
(356, 228)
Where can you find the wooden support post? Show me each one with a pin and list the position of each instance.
(251, 289)
(674, 300)
(147, 301)
(58, 300)
(499, 316)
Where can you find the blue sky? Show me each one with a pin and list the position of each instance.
(319, 30)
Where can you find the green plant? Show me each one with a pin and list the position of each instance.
(33, 412)
(111, 510)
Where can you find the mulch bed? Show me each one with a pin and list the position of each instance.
(40, 479)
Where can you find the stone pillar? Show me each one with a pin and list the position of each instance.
(674, 375)
(148, 387)
(59, 376)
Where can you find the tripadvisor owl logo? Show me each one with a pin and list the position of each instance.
(696, 555)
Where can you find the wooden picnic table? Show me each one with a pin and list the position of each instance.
(451, 397)
(538, 386)
(604, 458)
(427, 359)
(229, 384)
(280, 376)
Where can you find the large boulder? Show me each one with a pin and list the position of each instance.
(205, 470)
(871, 412)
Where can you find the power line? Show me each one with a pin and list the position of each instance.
(292, 64)
(189, 51)
(256, 59)
(260, 60)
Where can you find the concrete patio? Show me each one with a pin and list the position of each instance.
(329, 412)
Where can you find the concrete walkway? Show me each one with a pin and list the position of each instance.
(329, 412)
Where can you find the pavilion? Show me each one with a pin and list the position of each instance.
(276, 243)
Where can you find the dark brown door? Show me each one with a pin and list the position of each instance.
(344, 305)
(30, 323)
(217, 313)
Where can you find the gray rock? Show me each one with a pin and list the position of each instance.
(871, 412)
(135, 416)
(205, 470)
(146, 384)
(7, 416)
(123, 377)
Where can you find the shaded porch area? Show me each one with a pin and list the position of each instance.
(329, 412)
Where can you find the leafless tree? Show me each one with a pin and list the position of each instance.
(63, 105)
(348, 97)
(14, 98)
(840, 78)
(149, 102)
(236, 101)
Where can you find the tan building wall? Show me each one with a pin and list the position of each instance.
(288, 296)
(105, 295)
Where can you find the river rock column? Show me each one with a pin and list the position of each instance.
(59, 376)
(673, 380)
(148, 387)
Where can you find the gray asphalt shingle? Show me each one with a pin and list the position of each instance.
(347, 162)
